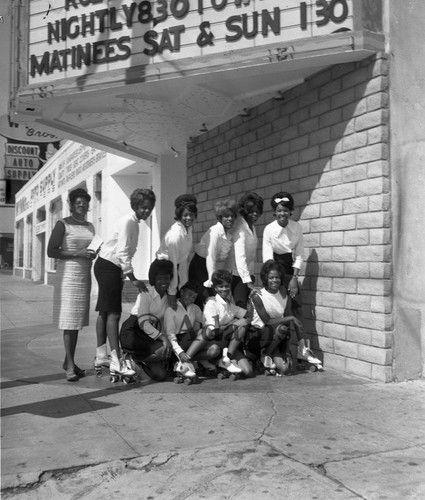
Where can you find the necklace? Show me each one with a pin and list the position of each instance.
(78, 220)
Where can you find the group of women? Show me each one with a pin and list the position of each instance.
(201, 303)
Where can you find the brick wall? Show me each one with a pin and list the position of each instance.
(327, 144)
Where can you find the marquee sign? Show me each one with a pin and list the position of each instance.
(80, 37)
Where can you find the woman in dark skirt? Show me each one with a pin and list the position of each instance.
(143, 335)
(112, 266)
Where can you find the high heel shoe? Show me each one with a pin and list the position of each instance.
(77, 370)
(71, 376)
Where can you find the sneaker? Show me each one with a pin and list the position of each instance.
(231, 365)
(268, 362)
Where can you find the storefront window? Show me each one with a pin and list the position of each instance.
(29, 241)
(20, 244)
(56, 210)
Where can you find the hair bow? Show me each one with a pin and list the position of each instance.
(279, 200)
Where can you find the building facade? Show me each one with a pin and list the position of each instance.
(323, 99)
(109, 179)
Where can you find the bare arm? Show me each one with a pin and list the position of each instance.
(54, 247)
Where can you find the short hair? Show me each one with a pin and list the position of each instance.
(221, 276)
(221, 207)
(271, 265)
(191, 285)
(78, 193)
(248, 201)
(158, 267)
(138, 196)
(185, 201)
(284, 199)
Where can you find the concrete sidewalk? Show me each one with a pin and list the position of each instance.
(308, 436)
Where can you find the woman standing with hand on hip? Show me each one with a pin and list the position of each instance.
(114, 262)
(283, 242)
(71, 301)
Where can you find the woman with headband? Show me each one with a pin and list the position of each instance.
(283, 242)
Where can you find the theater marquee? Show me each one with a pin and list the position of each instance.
(71, 38)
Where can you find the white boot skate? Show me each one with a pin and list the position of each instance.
(120, 369)
(185, 372)
(269, 365)
(228, 368)
(306, 358)
(101, 360)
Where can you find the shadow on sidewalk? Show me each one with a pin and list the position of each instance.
(67, 406)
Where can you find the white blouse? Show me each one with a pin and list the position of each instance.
(122, 246)
(274, 305)
(150, 309)
(176, 246)
(282, 240)
(215, 246)
(244, 252)
(180, 321)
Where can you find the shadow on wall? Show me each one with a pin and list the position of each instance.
(325, 142)
(310, 301)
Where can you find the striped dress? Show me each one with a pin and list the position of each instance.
(71, 298)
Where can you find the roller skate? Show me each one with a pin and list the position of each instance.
(100, 363)
(306, 359)
(268, 365)
(185, 373)
(228, 368)
(134, 365)
(120, 370)
(101, 360)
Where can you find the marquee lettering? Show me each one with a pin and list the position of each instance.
(79, 25)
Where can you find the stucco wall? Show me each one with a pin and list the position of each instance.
(327, 144)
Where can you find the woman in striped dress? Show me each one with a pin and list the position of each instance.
(69, 243)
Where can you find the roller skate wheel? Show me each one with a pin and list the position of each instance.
(188, 381)
(272, 372)
(128, 380)
(233, 377)
(221, 376)
(98, 372)
(267, 373)
(177, 380)
(114, 379)
(313, 368)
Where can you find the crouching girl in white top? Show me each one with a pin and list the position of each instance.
(269, 335)
(182, 326)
